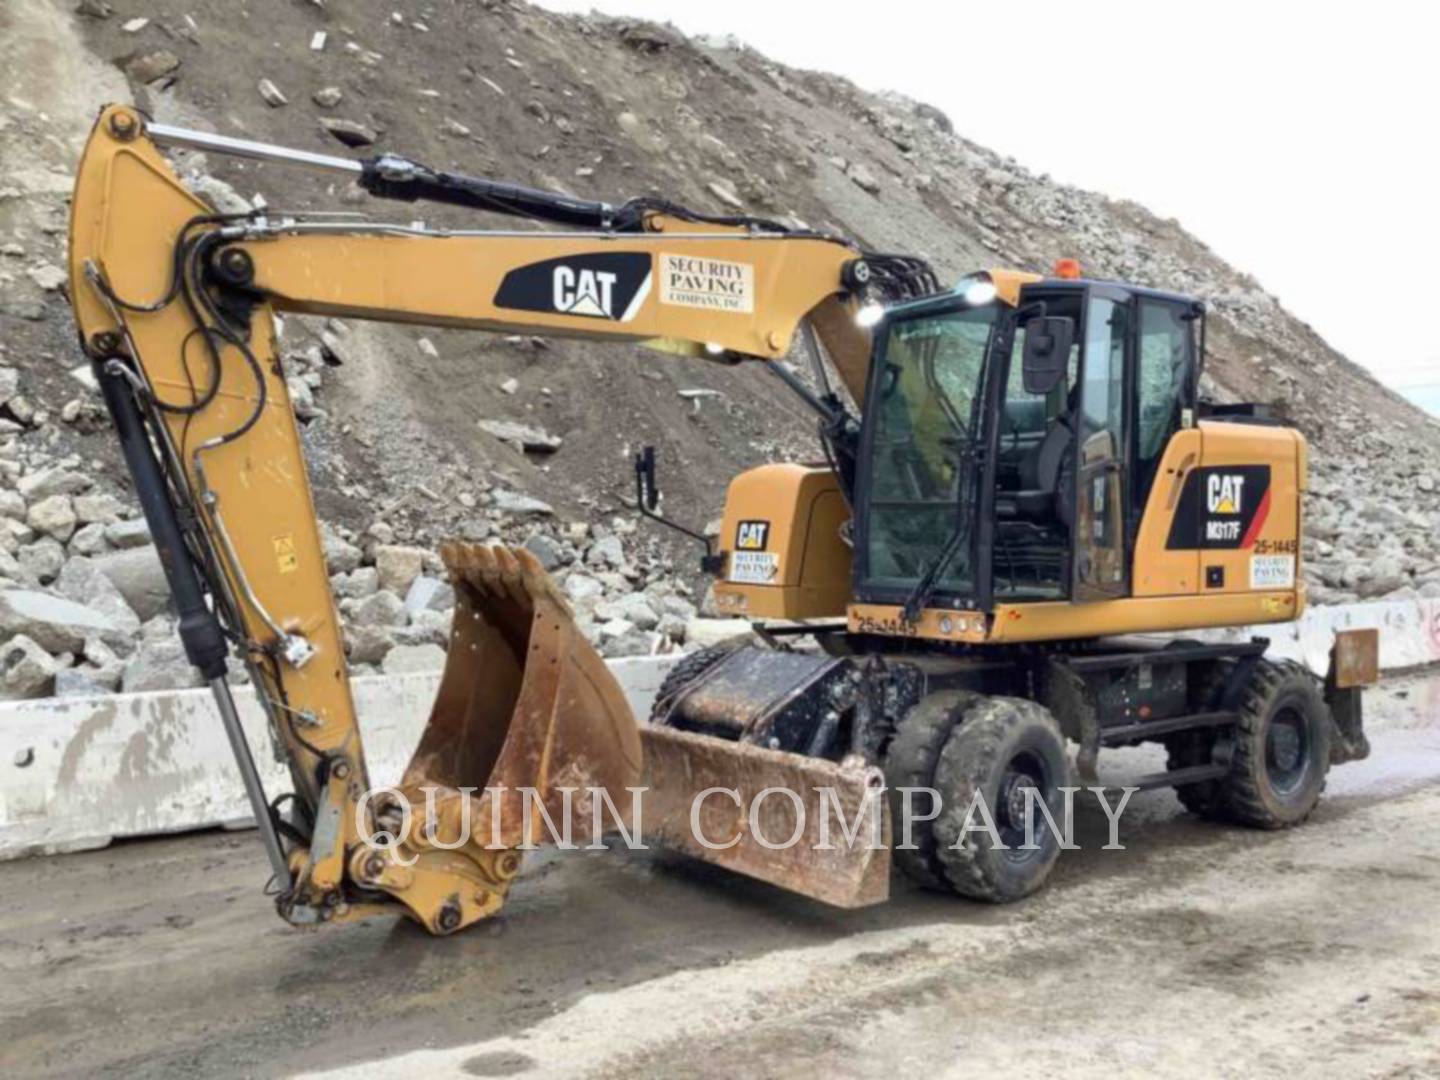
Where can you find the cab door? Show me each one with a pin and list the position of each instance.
(1099, 563)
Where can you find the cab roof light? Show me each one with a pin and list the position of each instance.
(1067, 269)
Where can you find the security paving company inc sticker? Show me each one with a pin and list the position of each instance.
(1272, 571)
(714, 284)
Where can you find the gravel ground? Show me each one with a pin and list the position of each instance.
(1197, 951)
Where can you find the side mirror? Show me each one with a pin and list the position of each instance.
(647, 501)
(1048, 339)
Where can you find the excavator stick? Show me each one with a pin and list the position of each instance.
(809, 825)
(529, 735)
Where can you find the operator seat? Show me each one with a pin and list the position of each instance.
(1047, 479)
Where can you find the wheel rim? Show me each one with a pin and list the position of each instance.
(1287, 750)
(1024, 771)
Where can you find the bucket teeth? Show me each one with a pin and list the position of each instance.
(512, 575)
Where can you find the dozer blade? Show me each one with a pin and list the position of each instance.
(525, 701)
(772, 815)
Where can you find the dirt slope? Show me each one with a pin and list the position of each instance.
(611, 108)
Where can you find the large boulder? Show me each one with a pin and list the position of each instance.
(522, 436)
(432, 627)
(82, 581)
(341, 556)
(547, 549)
(159, 665)
(58, 625)
(103, 664)
(1381, 577)
(580, 587)
(383, 609)
(89, 540)
(128, 534)
(368, 644)
(98, 509)
(630, 643)
(138, 575)
(429, 594)
(678, 606)
(42, 561)
(398, 566)
(26, 670)
(53, 515)
(513, 502)
(607, 551)
(633, 607)
(46, 482)
(78, 682)
(357, 584)
(702, 633)
(403, 659)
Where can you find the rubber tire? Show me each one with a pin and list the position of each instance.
(1246, 796)
(688, 670)
(973, 760)
(910, 762)
(1250, 796)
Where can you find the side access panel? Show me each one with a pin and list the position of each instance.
(1224, 514)
(780, 536)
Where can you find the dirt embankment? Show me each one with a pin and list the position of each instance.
(601, 108)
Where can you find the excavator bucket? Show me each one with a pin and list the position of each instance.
(525, 703)
(809, 825)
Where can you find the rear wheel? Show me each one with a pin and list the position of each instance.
(1282, 748)
(1008, 755)
(1279, 751)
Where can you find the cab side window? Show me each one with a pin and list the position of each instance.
(1165, 358)
(1103, 394)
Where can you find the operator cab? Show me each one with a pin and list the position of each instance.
(1017, 443)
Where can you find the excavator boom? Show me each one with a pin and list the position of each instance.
(175, 305)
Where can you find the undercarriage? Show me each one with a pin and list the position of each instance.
(1248, 739)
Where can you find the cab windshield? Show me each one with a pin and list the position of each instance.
(926, 419)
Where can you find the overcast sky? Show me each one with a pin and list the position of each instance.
(1300, 141)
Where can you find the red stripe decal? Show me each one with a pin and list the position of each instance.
(1261, 513)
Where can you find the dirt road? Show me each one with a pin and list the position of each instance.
(1196, 951)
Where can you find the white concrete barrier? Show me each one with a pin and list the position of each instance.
(76, 772)
(1409, 633)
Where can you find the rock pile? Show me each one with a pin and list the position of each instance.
(521, 440)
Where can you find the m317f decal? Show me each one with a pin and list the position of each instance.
(1221, 506)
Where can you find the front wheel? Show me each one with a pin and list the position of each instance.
(1004, 759)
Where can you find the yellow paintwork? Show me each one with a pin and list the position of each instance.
(1057, 620)
(128, 210)
(1008, 283)
(802, 511)
(1167, 586)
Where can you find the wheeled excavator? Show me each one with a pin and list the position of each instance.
(1022, 511)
